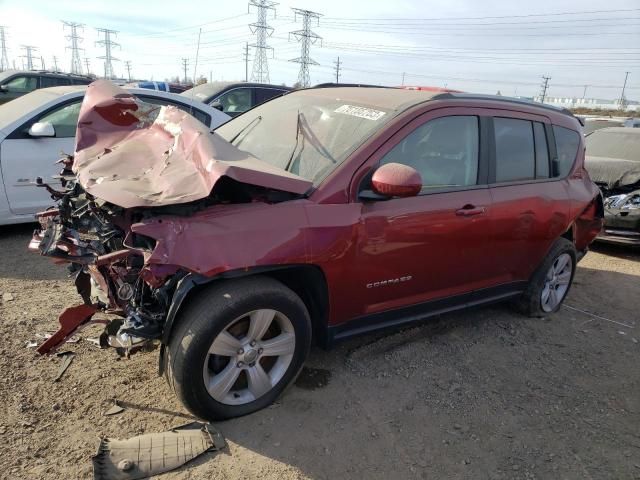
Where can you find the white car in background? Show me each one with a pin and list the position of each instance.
(37, 128)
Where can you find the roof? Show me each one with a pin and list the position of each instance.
(205, 91)
(381, 97)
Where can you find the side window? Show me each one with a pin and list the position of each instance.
(542, 151)
(53, 81)
(200, 115)
(264, 94)
(567, 143)
(22, 84)
(444, 151)
(515, 152)
(64, 119)
(236, 100)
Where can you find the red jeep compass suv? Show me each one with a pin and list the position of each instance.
(315, 216)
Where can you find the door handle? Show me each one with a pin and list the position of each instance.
(470, 210)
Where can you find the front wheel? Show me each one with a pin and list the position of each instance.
(237, 347)
(551, 282)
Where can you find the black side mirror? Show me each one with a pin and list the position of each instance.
(4, 88)
(217, 105)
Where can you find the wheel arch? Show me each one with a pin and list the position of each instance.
(307, 281)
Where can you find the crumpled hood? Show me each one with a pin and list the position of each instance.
(614, 172)
(135, 154)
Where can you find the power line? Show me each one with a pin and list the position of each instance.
(29, 51)
(529, 15)
(76, 63)
(306, 37)
(4, 58)
(108, 45)
(261, 30)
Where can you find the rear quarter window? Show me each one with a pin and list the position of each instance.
(567, 144)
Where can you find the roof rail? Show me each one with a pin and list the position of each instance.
(499, 98)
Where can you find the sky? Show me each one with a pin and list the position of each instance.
(483, 46)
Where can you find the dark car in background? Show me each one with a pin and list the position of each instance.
(613, 161)
(234, 98)
(15, 83)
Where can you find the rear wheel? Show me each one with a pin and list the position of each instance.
(551, 282)
(237, 346)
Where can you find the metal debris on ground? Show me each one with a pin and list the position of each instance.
(115, 409)
(599, 317)
(154, 453)
(31, 344)
(67, 358)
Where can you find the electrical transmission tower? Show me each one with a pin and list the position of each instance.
(29, 51)
(4, 59)
(55, 64)
(337, 64)
(306, 38)
(108, 45)
(76, 63)
(127, 64)
(86, 63)
(185, 65)
(544, 86)
(262, 30)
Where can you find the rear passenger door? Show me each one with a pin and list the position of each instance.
(530, 206)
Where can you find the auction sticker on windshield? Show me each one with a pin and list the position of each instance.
(362, 112)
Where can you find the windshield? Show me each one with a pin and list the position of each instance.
(614, 144)
(304, 134)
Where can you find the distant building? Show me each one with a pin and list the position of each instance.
(594, 103)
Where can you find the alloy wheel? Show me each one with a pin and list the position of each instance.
(249, 357)
(557, 282)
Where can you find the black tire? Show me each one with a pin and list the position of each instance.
(203, 319)
(530, 303)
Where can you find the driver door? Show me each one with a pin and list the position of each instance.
(433, 245)
(23, 158)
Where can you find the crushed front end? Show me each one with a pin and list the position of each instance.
(107, 261)
(622, 215)
(135, 166)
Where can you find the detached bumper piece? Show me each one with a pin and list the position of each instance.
(154, 453)
(70, 320)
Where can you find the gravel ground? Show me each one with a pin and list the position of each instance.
(479, 394)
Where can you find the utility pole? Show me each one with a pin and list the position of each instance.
(545, 86)
(76, 63)
(44, 67)
(623, 101)
(108, 44)
(306, 38)
(185, 65)
(403, 74)
(261, 30)
(337, 63)
(246, 61)
(584, 92)
(86, 62)
(127, 65)
(55, 64)
(4, 59)
(29, 51)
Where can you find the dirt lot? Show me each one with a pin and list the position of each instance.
(480, 394)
